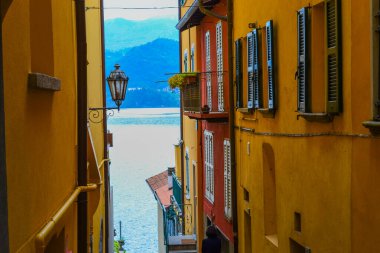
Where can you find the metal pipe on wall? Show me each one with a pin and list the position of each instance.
(232, 121)
(181, 111)
(43, 237)
(80, 14)
(4, 236)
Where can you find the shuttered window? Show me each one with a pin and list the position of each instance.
(270, 64)
(185, 61)
(333, 77)
(209, 165)
(208, 69)
(250, 70)
(227, 180)
(257, 88)
(303, 57)
(219, 62)
(254, 87)
(238, 74)
(332, 84)
(192, 58)
(187, 174)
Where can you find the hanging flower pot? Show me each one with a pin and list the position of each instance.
(181, 79)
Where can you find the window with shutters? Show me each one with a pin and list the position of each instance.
(227, 180)
(187, 174)
(185, 61)
(260, 70)
(208, 69)
(219, 64)
(319, 61)
(238, 74)
(192, 58)
(209, 165)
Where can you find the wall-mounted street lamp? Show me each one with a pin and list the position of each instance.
(117, 83)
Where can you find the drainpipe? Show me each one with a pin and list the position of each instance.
(82, 232)
(4, 237)
(181, 117)
(43, 237)
(105, 150)
(232, 121)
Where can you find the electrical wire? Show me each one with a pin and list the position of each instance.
(139, 8)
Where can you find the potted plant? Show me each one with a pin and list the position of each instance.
(181, 79)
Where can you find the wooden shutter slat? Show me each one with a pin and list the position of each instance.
(250, 70)
(303, 59)
(238, 74)
(257, 89)
(270, 65)
(333, 62)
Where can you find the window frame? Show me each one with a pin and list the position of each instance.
(209, 165)
(227, 180)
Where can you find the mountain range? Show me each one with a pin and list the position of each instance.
(121, 33)
(147, 52)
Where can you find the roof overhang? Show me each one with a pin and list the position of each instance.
(193, 15)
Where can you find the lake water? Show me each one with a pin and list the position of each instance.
(143, 147)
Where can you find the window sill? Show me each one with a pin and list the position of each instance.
(373, 126)
(245, 110)
(316, 117)
(267, 112)
(273, 239)
(45, 82)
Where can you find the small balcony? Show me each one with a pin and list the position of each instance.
(177, 191)
(195, 99)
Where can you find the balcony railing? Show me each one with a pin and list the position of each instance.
(177, 190)
(196, 101)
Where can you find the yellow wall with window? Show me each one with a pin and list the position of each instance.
(291, 170)
(189, 40)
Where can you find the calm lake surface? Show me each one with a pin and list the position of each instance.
(143, 147)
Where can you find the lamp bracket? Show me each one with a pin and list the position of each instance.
(96, 114)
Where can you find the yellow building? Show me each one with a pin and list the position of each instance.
(307, 83)
(54, 184)
(192, 183)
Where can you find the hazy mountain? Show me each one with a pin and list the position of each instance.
(121, 33)
(146, 66)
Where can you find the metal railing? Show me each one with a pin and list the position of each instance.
(197, 100)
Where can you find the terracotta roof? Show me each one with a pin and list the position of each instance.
(159, 186)
(158, 180)
(164, 194)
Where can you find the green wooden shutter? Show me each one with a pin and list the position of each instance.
(303, 60)
(270, 65)
(257, 89)
(250, 70)
(333, 61)
(238, 74)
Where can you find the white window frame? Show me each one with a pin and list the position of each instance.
(185, 60)
(209, 165)
(208, 69)
(192, 58)
(227, 180)
(219, 60)
(187, 160)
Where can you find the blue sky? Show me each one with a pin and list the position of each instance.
(140, 14)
